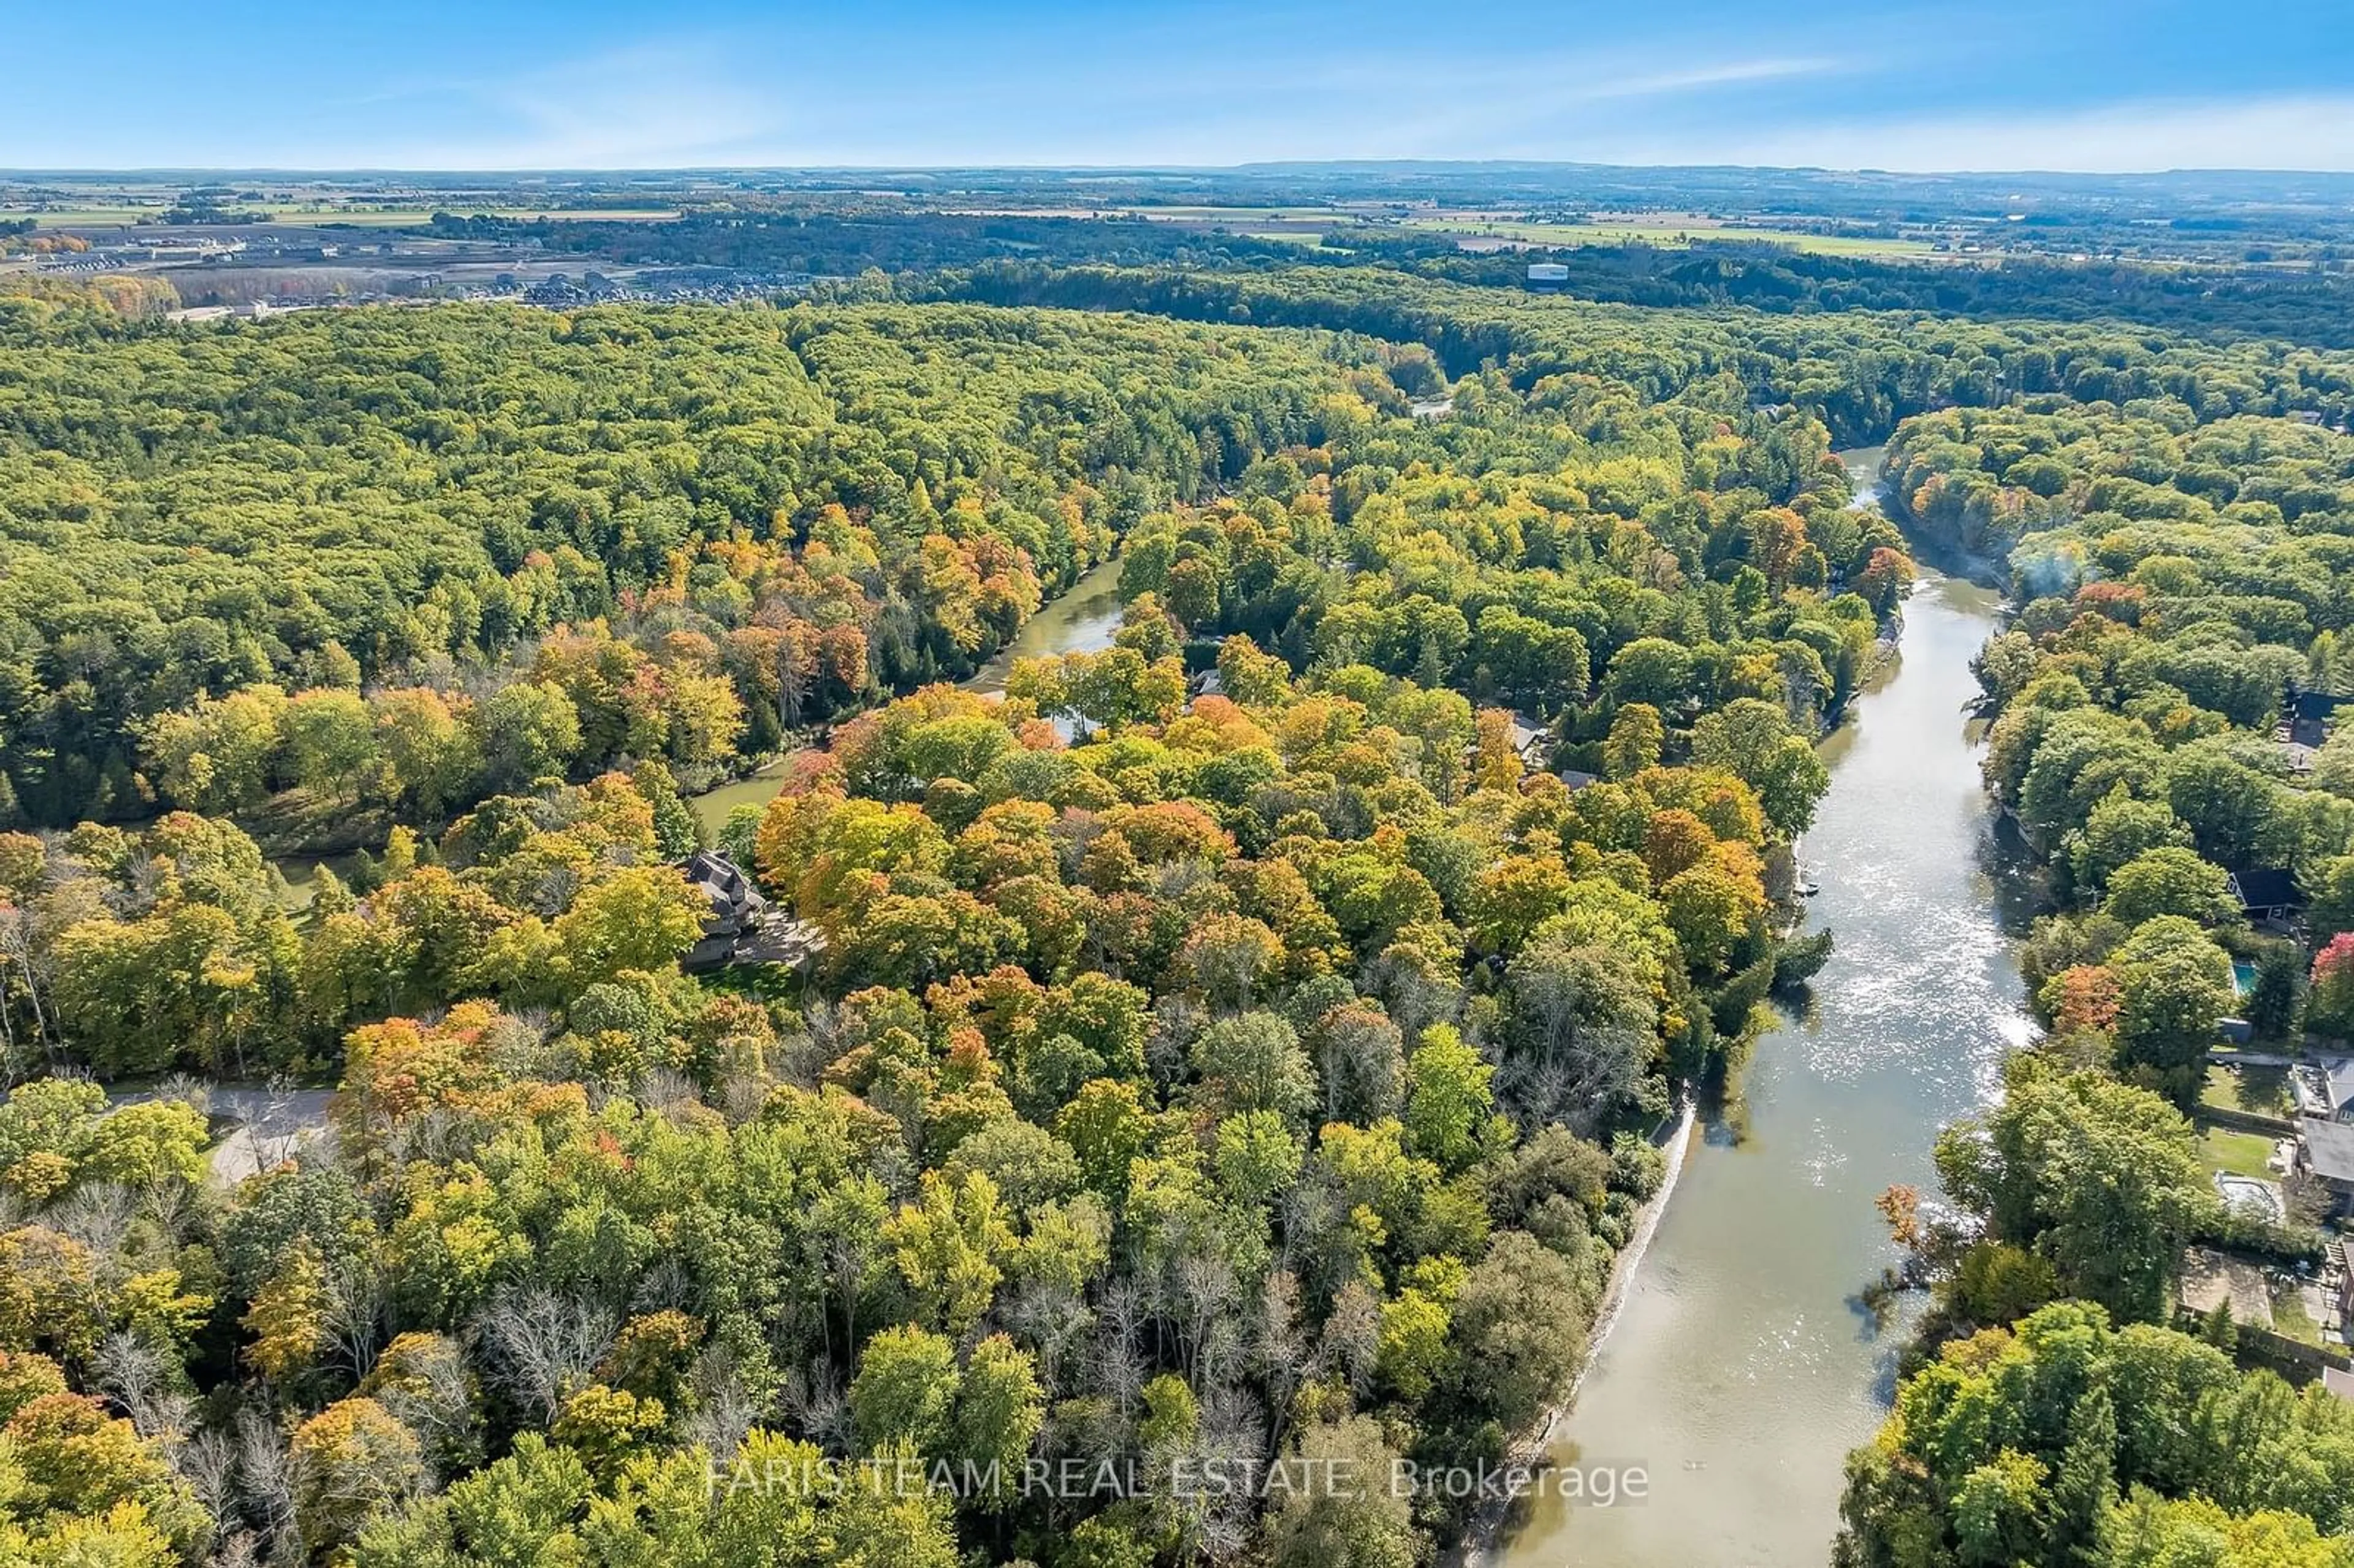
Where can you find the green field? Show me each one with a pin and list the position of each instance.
(1231, 216)
(89, 217)
(1669, 234)
(389, 217)
(1235, 217)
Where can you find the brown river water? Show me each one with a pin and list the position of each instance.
(1743, 1365)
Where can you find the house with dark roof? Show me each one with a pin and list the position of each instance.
(741, 927)
(2325, 1152)
(1530, 738)
(2308, 716)
(2267, 894)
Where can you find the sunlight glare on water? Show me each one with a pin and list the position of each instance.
(1742, 1367)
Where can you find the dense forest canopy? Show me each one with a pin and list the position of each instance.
(1240, 1043)
(1256, 1073)
(1859, 371)
(401, 499)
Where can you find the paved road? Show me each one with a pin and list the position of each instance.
(264, 1125)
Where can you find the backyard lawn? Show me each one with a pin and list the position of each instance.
(2240, 1153)
(2263, 1090)
(2290, 1318)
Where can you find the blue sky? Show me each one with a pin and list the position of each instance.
(447, 84)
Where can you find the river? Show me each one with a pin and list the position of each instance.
(1742, 1367)
(1081, 619)
(1862, 465)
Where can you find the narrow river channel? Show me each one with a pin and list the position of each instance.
(1742, 1367)
(1081, 619)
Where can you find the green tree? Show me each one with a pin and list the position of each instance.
(950, 1248)
(2100, 1178)
(2120, 828)
(526, 732)
(1635, 741)
(1652, 670)
(2173, 986)
(1753, 741)
(638, 918)
(350, 1461)
(1521, 1321)
(1347, 1511)
(905, 1391)
(331, 743)
(1450, 1107)
(2171, 881)
(1255, 1063)
(998, 1409)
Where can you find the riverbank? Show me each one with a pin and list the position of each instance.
(1743, 1362)
(1866, 473)
(1082, 619)
(1478, 1545)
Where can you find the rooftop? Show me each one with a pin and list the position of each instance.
(2325, 1087)
(2314, 705)
(2329, 1148)
(1528, 736)
(741, 929)
(2264, 886)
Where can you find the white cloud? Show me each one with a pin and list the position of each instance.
(739, 102)
(667, 105)
(2130, 137)
(1726, 74)
(1551, 110)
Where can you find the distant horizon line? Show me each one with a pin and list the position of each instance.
(289, 171)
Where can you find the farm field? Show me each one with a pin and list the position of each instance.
(1667, 234)
(88, 217)
(316, 217)
(393, 217)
